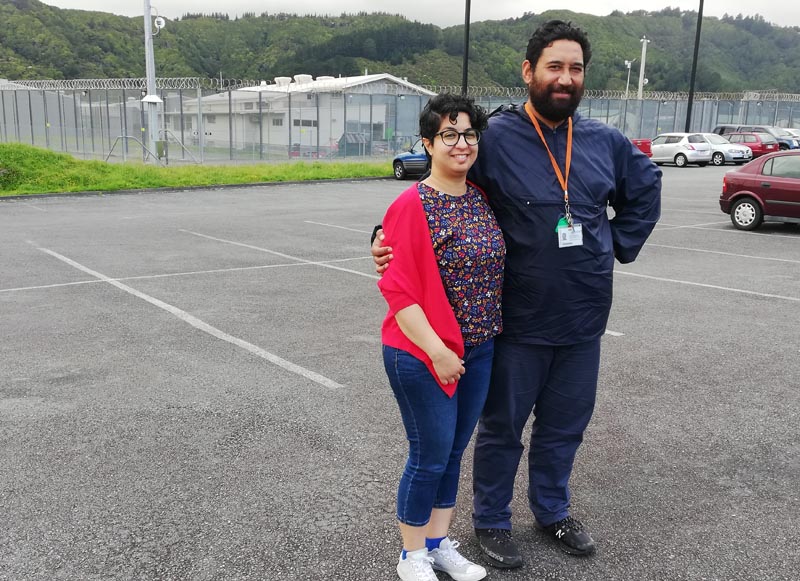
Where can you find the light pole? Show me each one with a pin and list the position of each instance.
(151, 100)
(628, 82)
(694, 68)
(465, 65)
(644, 42)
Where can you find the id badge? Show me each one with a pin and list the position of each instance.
(569, 236)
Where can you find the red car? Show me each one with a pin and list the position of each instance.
(760, 143)
(644, 146)
(766, 188)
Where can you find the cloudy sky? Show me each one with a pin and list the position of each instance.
(442, 13)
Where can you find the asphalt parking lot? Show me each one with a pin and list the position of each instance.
(191, 388)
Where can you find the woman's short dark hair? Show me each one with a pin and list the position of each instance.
(552, 31)
(449, 105)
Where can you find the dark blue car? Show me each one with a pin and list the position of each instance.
(413, 162)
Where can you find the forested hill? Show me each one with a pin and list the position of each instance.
(737, 53)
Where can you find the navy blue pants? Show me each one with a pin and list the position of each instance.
(558, 385)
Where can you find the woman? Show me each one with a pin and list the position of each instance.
(443, 291)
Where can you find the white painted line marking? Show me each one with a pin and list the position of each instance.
(724, 253)
(614, 333)
(698, 226)
(202, 326)
(281, 254)
(339, 227)
(190, 273)
(731, 230)
(695, 212)
(725, 288)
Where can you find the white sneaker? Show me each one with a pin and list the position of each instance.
(417, 567)
(447, 559)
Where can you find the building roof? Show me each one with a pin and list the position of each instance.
(325, 84)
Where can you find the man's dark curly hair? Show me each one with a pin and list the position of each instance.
(554, 30)
(449, 105)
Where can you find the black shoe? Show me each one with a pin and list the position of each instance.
(572, 537)
(499, 548)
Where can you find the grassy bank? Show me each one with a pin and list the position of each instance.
(32, 170)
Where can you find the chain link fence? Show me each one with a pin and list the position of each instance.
(229, 121)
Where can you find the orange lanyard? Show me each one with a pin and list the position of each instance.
(563, 179)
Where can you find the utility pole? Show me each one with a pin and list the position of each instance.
(151, 100)
(644, 42)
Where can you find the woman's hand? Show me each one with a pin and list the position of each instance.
(449, 366)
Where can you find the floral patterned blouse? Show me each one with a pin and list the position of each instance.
(470, 251)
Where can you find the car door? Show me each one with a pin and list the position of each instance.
(664, 147)
(780, 186)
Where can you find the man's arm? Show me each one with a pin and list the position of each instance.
(636, 203)
(381, 254)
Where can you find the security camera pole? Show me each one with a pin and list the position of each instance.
(151, 100)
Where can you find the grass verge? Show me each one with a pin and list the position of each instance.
(31, 170)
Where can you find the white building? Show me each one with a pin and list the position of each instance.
(303, 116)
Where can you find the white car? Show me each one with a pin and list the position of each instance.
(681, 149)
(723, 151)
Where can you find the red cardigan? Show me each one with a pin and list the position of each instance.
(413, 278)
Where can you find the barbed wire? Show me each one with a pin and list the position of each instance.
(512, 93)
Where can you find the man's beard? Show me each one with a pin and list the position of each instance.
(551, 109)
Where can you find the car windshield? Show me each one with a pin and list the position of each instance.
(783, 133)
(716, 139)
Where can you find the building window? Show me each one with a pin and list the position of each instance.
(304, 122)
(277, 122)
(248, 106)
(211, 119)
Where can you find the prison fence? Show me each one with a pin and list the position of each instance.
(238, 121)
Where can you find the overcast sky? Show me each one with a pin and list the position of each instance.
(442, 12)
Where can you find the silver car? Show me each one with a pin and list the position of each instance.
(723, 151)
(681, 149)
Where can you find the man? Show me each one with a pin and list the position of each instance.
(550, 175)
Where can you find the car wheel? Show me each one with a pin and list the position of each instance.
(746, 214)
(784, 147)
(718, 158)
(680, 160)
(399, 170)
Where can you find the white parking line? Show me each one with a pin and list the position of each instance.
(281, 254)
(725, 288)
(723, 253)
(188, 273)
(339, 227)
(201, 325)
(665, 227)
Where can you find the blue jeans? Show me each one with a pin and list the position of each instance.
(558, 385)
(438, 427)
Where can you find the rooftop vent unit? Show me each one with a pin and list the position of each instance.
(283, 81)
(303, 79)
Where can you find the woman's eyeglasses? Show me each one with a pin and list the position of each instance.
(450, 137)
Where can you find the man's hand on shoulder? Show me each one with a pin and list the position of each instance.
(381, 254)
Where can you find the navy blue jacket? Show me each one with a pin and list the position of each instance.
(552, 295)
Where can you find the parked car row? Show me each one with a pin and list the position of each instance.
(785, 138)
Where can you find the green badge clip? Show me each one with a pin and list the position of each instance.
(562, 223)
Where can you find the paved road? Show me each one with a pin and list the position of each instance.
(191, 389)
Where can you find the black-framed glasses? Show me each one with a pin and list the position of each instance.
(450, 137)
